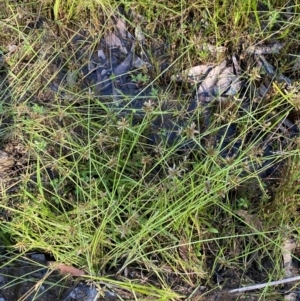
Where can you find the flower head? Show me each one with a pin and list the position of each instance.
(122, 124)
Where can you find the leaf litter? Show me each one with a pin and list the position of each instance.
(66, 269)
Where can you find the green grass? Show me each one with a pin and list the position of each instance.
(116, 203)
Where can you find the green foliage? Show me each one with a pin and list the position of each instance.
(94, 193)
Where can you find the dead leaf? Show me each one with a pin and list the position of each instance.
(197, 70)
(224, 81)
(250, 219)
(139, 35)
(121, 26)
(101, 54)
(6, 161)
(272, 49)
(235, 86)
(211, 79)
(236, 65)
(65, 269)
(137, 62)
(113, 41)
(193, 74)
(288, 247)
(213, 49)
(12, 48)
(124, 66)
